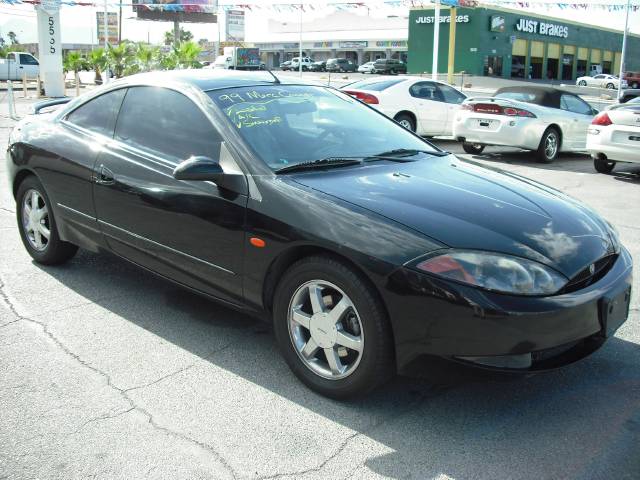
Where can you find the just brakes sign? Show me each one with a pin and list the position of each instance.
(542, 28)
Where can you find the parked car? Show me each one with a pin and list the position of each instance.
(319, 66)
(614, 136)
(285, 65)
(423, 106)
(628, 94)
(389, 65)
(306, 63)
(543, 119)
(632, 79)
(17, 65)
(340, 65)
(366, 67)
(602, 81)
(365, 246)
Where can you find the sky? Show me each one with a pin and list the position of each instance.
(79, 23)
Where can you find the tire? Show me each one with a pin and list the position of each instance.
(473, 148)
(603, 166)
(546, 153)
(355, 372)
(47, 251)
(635, 85)
(610, 86)
(406, 121)
(582, 83)
(392, 72)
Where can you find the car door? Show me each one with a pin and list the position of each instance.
(78, 138)
(28, 66)
(11, 64)
(453, 99)
(430, 108)
(581, 115)
(189, 231)
(597, 81)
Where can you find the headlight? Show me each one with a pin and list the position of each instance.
(494, 271)
(615, 237)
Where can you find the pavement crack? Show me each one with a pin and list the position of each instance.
(102, 417)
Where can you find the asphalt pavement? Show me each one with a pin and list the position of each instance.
(108, 372)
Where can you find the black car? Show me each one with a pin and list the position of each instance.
(340, 65)
(389, 65)
(366, 246)
(319, 66)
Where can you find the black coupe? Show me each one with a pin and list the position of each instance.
(366, 246)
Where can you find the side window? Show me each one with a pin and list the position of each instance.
(575, 105)
(167, 122)
(99, 114)
(599, 77)
(426, 90)
(451, 95)
(27, 59)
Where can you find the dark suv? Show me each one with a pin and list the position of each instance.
(340, 65)
(389, 65)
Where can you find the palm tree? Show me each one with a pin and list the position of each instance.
(187, 55)
(12, 38)
(97, 59)
(146, 56)
(74, 62)
(119, 57)
(185, 36)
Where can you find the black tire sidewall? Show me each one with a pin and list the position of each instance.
(541, 153)
(471, 149)
(376, 364)
(57, 251)
(404, 116)
(603, 166)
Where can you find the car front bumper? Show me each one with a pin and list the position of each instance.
(436, 317)
(614, 142)
(501, 130)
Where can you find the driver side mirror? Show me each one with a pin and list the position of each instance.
(198, 168)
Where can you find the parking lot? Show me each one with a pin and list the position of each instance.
(109, 372)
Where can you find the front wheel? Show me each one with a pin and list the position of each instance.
(603, 166)
(549, 146)
(38, 229)
(473, 148)
(332, 329)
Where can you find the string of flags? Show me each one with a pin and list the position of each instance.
(611, 6)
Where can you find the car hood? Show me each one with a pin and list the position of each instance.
(465, 205)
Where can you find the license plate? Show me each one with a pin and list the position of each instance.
(485, 123)
(633, 137)
(614, 311)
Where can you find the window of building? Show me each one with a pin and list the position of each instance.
(165, 122)
(567, 66)
(493, 66)
(99, 114)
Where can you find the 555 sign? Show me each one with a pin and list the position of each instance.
(50, 47)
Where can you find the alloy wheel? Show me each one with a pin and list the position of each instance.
(35, 220)
(325, 329)
(551, 145)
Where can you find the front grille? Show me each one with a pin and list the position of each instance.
(584, 278)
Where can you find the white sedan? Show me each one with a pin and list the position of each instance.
(366, 67)
(426, 107)
(601, 80)
(544, 119)
(614, 136)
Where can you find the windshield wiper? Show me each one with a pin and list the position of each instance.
(328, 162)
(406, 152)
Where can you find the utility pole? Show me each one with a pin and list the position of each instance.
(624, 49)
(436, 38)
(120, 23)
(300, 43)
(452, 45)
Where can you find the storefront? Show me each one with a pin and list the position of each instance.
(358, 51)
(506, 43)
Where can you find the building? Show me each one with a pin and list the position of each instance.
(342, 34)
(510, 44)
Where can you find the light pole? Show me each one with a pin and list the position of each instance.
(436, 38)
(624, 49)
(300, 43)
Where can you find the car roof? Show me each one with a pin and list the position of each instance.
(208, 79)
(543, 96)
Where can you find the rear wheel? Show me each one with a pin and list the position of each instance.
(392, 71)
(332, 329)
(38, 229)
(582, 83)
(473, 148)
(406, 121)
(610, 86)
(635, 85)
(549, 146)
(603, 165)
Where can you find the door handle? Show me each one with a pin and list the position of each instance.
(105, 176)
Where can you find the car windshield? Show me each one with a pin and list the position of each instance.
(377, 85)
(292, 124)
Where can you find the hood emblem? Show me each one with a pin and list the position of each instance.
(592, 269)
